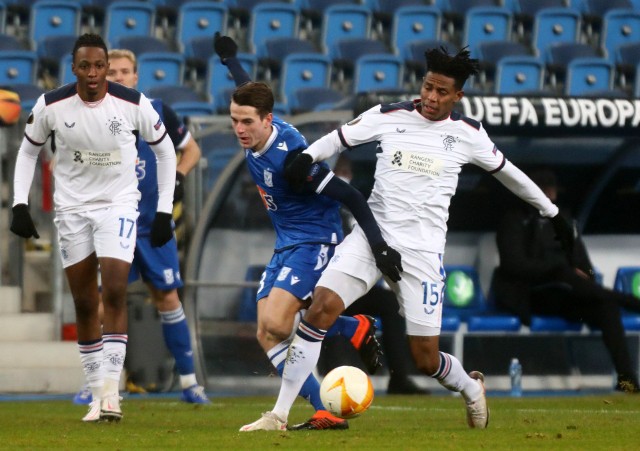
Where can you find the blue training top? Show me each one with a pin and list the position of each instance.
(146, 166)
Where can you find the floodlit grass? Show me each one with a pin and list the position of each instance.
(393, 422)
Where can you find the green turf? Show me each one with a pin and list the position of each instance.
(393, 422)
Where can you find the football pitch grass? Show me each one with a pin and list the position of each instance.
(607, 421)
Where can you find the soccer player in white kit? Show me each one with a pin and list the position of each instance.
(93, 125)
(423, 145)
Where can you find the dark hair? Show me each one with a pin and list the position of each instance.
(90, 40)
(459, 67)
(256, 94)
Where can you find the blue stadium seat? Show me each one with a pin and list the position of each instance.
(304, 70)
(493, 323)
(193, 108)
(463, 296)
(217, 149)
(627, 58)
(344, 21)
(553, 324)
(65, 75)
(414, 23)
(128, 18)
(588, 76)
(526, 10)
(277, 49)
(200, 19)
(378, 72)
(319, 98)
(272, 20)
(3, 17)
(347, 51)
(486, 23)
(490, 52)
(160, 69)
(220, 81)
(559, 55)
(171, 94)
(519, 74)
(53, 18)
(627, 280)
(142, 44)
(18, 66)
(619, 27)
(414, 51)
(10, 42)
(553, 25)
(52, 49)
(450, 324)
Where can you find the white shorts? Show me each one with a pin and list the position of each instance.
(109, 232)
(419, 292)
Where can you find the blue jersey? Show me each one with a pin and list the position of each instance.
(146, 166)
(297, 217)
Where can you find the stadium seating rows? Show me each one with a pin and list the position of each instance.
(561, 47)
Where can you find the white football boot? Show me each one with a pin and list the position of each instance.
(268, 422)
(94, 411)
(110, 408)
(477, 411)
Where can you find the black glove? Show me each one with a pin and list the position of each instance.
(296, 172)
(388, 261)
(161, 229)
(224, 46)
(178, 191)
(565, 234)
(21, 223)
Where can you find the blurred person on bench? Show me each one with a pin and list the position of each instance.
(537, 277)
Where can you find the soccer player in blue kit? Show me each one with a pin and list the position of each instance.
(308, 227)
(159, 267)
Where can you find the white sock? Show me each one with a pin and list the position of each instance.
(278, 353)
(302, 358)
(115, 351)
(91, 358)
(188, 380)
(453, 377)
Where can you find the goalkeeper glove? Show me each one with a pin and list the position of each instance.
(296, 172)
(388, 261)
(21, 222)
(178, 191)
(225, 47)
(161, 229)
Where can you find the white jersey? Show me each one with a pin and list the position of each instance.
(416, 175)
(94, 144)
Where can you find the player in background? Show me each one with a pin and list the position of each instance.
(159, 267)
(423, 146)
(92, 125)
(308, 227)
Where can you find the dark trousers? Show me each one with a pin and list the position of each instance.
(570, 296)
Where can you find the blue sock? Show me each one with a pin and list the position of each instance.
(345, 326)
(177, 339)
(310, 389)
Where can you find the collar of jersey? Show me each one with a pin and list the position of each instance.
(272, 138)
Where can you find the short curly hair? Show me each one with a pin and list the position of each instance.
(90, 40)
(459, 66)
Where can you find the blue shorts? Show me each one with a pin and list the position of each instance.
(296, 270)
(158, 266)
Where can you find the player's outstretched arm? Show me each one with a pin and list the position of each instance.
(227, 50)
(388, 260)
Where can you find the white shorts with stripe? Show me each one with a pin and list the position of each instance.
(109, 232)
(419, 291)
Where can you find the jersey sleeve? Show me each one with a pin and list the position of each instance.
(364, 128)
(150, 124)
(485, 153)
(176, 129)
(38, 128)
